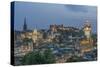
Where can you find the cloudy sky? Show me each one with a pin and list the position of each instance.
(41, 15)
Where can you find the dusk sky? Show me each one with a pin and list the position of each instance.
(41, 15)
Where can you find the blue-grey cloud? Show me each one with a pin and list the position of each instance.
(77, 8)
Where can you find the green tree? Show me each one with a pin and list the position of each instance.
(49, 56)
(94, 36)
(75, 59)
(38, 58)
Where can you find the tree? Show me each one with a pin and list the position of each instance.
(38, 58)
(49, 56)
(81, 33)
(94, 36)
(75, 59)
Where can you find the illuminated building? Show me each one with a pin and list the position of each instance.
(34, 35)
(87, 42)
(26, 39)
(87, 29)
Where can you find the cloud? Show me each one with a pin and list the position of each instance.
(76, 8)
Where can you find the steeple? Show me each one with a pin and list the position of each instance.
(25, 25)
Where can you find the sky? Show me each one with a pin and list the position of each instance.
(41, 15)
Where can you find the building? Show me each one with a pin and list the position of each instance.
(87, 29)
(25, 25)
(22, 48)
(87, 42)
(24, 40)
(55, 28)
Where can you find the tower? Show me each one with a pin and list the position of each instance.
(86, 43)
(34, 35)
(25, 25)
(87, 29)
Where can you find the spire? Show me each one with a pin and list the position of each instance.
(25, 25)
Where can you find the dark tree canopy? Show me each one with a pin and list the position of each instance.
(38, 58)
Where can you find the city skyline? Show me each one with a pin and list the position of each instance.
(41, 15)
(46, 33)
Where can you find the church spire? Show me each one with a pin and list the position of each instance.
(25, 25)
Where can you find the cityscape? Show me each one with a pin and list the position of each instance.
(58, 42)
(65, 44)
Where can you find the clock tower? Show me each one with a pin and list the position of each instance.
(87, 29)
